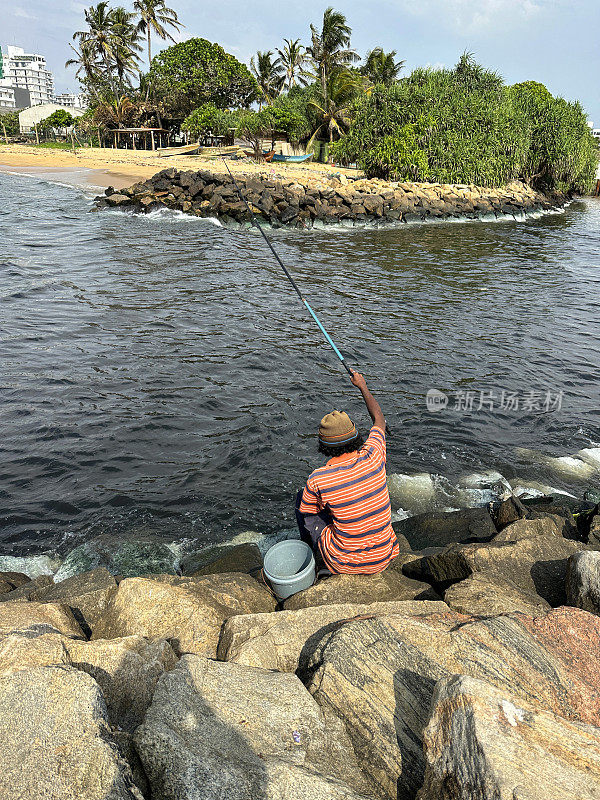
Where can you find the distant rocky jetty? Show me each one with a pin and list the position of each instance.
(322, 200)
(465, 671)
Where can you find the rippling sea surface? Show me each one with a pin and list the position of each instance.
(159, 377)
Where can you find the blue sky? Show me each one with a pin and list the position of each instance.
(556, 42)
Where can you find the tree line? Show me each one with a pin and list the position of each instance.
(462, 125)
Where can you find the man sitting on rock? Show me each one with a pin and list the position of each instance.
(344, 511)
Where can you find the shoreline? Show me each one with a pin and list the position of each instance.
(326, 200)
(143, 164)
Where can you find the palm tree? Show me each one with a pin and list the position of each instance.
(330, 47)
(155, 17)
(115, 113)
(100, 38)
(292, 59)
(88, 68)
(381, 67)
(333, 106)
(268, 75)
(126, 45)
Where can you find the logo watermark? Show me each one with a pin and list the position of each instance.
(525, 402)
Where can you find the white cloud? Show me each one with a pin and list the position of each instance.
(22, 13)
(477, 16)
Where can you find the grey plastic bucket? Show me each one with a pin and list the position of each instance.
(289, 567)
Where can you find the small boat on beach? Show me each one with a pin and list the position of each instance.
(186, 149)
(293, 159)
(266, 155)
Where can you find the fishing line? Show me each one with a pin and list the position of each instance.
(287, 274)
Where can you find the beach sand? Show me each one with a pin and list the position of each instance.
(120, 168)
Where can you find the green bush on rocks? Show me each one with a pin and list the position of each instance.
(464, 125)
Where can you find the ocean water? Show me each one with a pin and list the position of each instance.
(160, 382)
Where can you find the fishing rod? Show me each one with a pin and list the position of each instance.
(292, 281)
(287, 274)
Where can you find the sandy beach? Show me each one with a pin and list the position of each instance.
(120, 168)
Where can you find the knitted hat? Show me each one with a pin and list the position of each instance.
(337, 428)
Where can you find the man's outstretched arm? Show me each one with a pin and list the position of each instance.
(372, 405)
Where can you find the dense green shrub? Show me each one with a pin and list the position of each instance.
(58, 119)
(561, 151)
(10, 121)
(463, 125)
(208, 119)
(288, 114)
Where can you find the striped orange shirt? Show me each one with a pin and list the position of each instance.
(353, 487)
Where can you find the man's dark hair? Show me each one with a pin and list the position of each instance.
(332, 450)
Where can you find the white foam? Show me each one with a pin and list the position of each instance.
(483, 480)
(246, 537)
(567, 465)
(172, 215)
(414, 492)
(524, 487)
(399, 514)
(33, 566)
(591, 455)
(571, 466)
(475, 498)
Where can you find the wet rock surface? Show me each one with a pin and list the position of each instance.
(439, 529)
(323, 200)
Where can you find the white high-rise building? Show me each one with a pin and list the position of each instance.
(70, 100)
(27, 71)
(7, 97)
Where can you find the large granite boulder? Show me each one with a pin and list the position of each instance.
(389, 585)
(546, 524)
(485, 744)
(513, 510)
(26, 590)
(508, 511)
(286, 640)
(583, 581)
(187, 611)
(378, 676)
(220, 730)
(125, 669)
(33, 619)
(484, 595)
(56, 741)
(536, 564)
(12, 580)
(87, 595)
(435, 529)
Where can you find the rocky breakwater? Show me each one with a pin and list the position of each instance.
(324, 200)
(467, 671)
